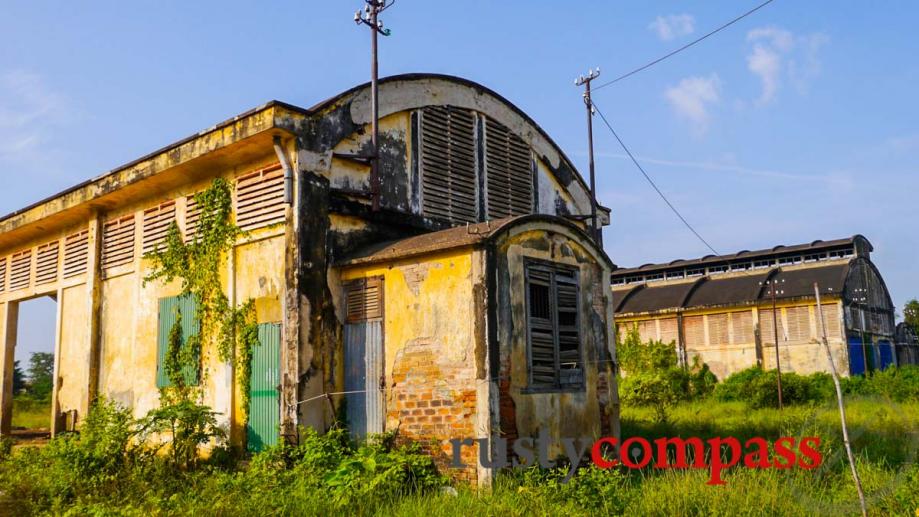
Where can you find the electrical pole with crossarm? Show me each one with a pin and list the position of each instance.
(585, 81)
(370, 18)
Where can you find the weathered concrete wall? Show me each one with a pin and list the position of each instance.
(572, 413)
(430, 349)
(728, 346)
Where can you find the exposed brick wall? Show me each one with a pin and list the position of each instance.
(432, 401)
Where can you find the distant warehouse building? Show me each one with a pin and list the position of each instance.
(720, 308)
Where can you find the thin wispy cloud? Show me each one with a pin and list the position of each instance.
(673, 26)
(28, 110)
(692, 98)
(777, 53)
(837, 180)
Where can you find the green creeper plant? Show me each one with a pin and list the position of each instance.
(197, 264)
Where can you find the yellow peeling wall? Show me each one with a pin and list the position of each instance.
(804, 355)
(429, 345)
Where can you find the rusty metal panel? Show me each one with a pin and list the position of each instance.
(156, 224)
(46, 263)
(265, 381)
(21, 270)
(76, 253)
(118, 242)
(509, 174)
(448, 164)
(260, 198)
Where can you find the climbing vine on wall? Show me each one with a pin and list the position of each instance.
(197, 264)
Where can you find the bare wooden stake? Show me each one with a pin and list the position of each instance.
(842, 407)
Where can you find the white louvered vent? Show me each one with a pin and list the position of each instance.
(2, 274)
(46, 263)
(20, 270)
(192, 217)
(449, 182)
(118, 242)
(260, 198)
(76, 253)
(509, 172)
(156, 224)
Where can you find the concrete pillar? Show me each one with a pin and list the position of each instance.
(9, 320)
(56, 424)
(94, 299)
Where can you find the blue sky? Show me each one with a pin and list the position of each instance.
(798, 123)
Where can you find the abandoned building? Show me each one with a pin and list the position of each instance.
(907, 344)
(720, 308)
(461, 297)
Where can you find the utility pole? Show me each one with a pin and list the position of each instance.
(370, 18)
(775, 331)
(585, 81)
(842, 407)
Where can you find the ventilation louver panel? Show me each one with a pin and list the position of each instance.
(669, 330)
(46, 263)
(508, 167)
(831, 319)
(767, 330)
(799, 328)
(118, 242)
(192, 217)
(694, 331)
(260, 198)
(364, 299)
(21, 270)
(156, 225)
(3, 262)
(448, 164)
(743, 327)
(718, 329)
(76, 254)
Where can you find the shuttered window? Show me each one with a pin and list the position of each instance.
(192, 217)
(260, 198)
(364, 299)
(20, 270)
(156, 225)
(766, 328)
(449, 182)
(170, 310)
(118, 242)
(46, 263)
(694, 331)
(799, 324)
(647, 330)
(509, 172)
(718, 329)
(76, 253)
(831, 319)
(3, 263)
(553, 334)
(742, 323)
(669, 330)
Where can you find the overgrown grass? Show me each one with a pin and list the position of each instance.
(329, 476)
(31, 414)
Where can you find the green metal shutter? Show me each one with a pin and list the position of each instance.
(264, 404)
(169, 309)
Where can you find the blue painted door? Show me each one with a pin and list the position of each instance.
(263, 429)
(886, 353)
(856, 357)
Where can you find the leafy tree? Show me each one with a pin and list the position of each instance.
(911, 314)
(19, 379)
(41, 374)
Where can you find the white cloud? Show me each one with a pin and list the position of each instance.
(692, 97)
(673, 26)
(778, 52)
(27, 110)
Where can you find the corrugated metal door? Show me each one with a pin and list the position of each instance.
(856, 357)
(169, 311)
(364, 357)
(264, 406)
(886, 352)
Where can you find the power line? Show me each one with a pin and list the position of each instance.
(653, 185)
(686, 46)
